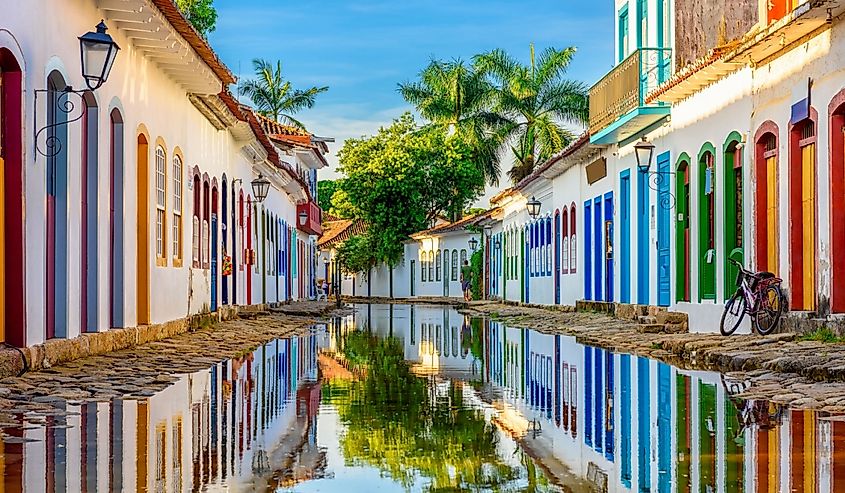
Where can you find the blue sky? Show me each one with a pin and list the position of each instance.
(362, 49)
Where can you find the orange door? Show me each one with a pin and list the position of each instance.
(808, 212)
(772, 215)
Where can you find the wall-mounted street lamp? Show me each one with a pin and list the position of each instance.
(260, 188)
(97, 53)
(533, 207)
(644, 152)
(473, 244)
(303, 218)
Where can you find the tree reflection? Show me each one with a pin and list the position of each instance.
(410, 427)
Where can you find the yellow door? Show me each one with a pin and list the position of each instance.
(773, 460)
(808, 209)
(2, 251)
(772, 215)
(809, 451)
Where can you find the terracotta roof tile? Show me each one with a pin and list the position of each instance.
(454, 226)
(567, 151)
(198, 43)
(335, 232)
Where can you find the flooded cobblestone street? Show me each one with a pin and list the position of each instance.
(417, 398)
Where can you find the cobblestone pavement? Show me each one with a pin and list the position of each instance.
(145, 370)
(800, 374)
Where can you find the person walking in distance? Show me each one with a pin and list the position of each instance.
(466, 280)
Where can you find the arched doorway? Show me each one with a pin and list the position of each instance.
(682, 229)
(706, 223)
(213, 264)
(116, 250)
(143, 241)
(802, 214)
(12, 288)
(57, 226)
(734, 213)
(837, 201)
(766, 198)
(224, 230)
(89, 255)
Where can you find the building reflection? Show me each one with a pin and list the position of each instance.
(208, 431)
(593, 419)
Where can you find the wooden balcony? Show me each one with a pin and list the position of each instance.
(312, 221)
(617, 102)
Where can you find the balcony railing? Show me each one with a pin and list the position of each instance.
(625, 87)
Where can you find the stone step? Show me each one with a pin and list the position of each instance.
(676, 328)
(646, 320)
(651, 328)
(668, 317)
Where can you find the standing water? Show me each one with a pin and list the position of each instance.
(421, 398)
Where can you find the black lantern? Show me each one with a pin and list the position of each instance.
(303, 218)
(98, 51)
(645, 152)
(533, 207)
(260, 188)
(473, 244)
(497, 243)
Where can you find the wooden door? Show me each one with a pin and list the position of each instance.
(808, 214)
(771, 215)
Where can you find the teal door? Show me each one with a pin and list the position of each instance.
(664, 202)
(625, 237)
(643, 275)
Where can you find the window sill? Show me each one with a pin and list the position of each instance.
(177, 262)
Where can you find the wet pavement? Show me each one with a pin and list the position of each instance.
(411, 398)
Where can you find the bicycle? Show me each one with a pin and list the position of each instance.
(760, 296)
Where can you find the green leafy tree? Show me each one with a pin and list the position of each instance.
(200, 13)
(275, 97)
(537, 102)
(403, 177)
(355, 254)
(457, 99)
(394, 422)
(325, 190)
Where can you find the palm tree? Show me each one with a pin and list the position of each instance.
(274, 97)
(455, 98)
(536, 101)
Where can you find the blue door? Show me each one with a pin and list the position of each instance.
(588, 245)
(609, 409)
(213, 262)
(625, 422)
(557, 258)
(598, 248)
(664, 428)
(625, 236)
(642, 239)
(643, 425)
(664, 201)
(588, 395)
(526, 279)
(608, 246)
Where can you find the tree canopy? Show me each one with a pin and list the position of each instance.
(400, 179)
(200, 13)
(536, 101)
(325, 190)
(497, 104)
(274, 96)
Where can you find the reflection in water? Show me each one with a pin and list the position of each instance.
(400, 398)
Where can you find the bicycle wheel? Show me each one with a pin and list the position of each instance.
(734, 312)
(771, 307)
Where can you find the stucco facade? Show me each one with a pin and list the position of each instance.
(114, 232)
